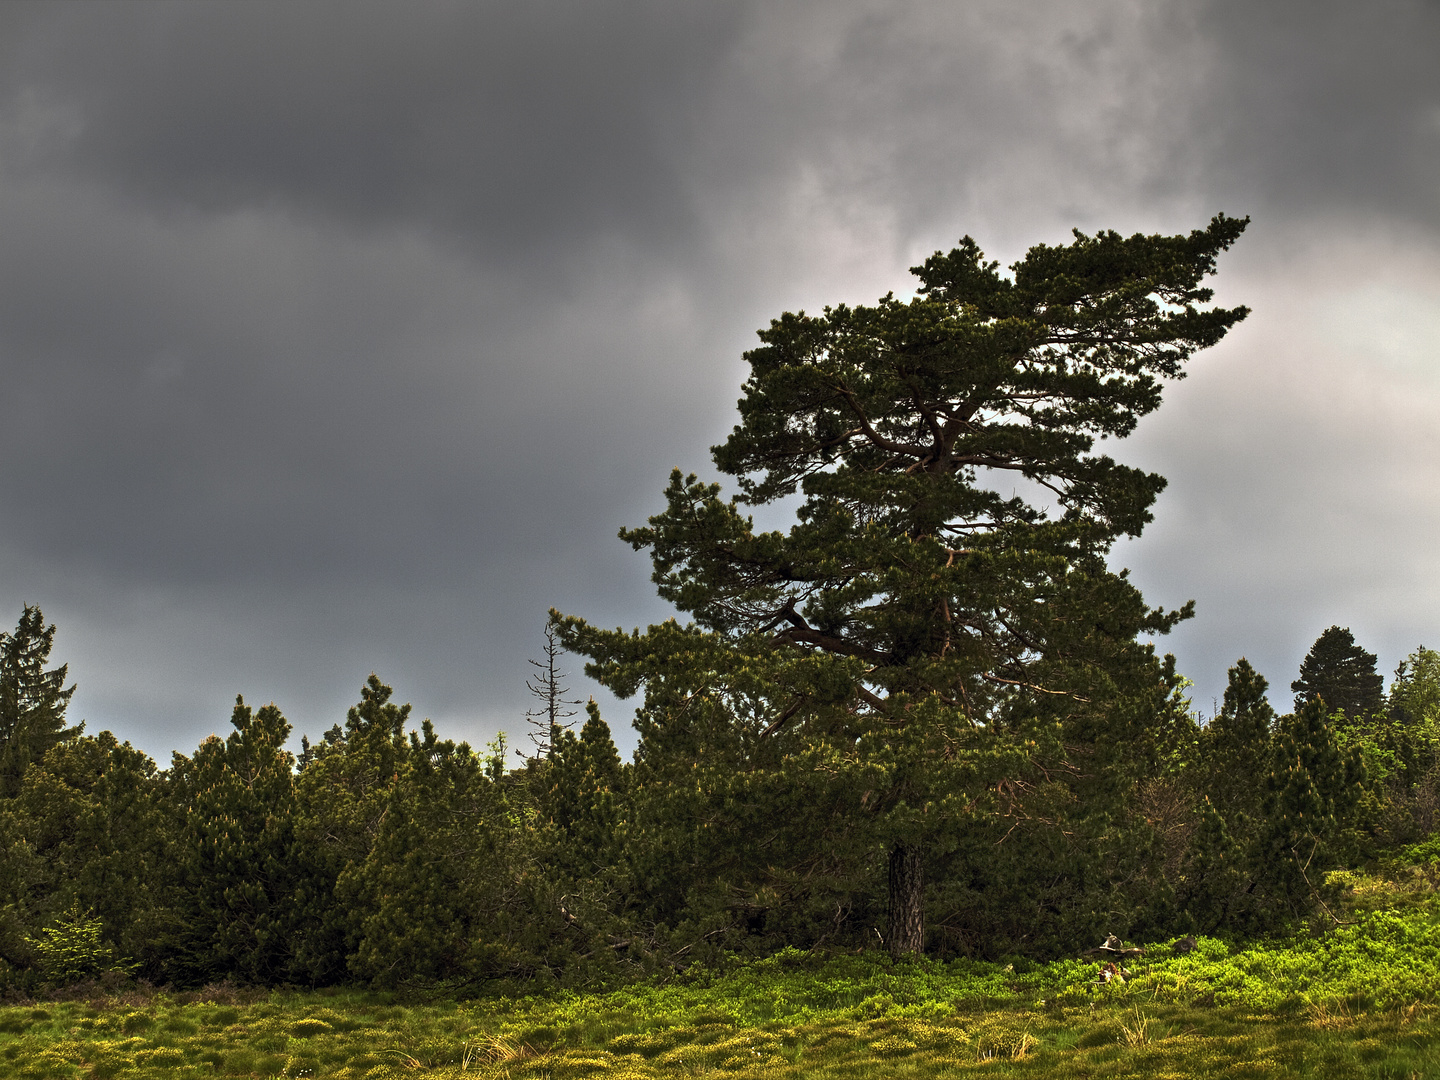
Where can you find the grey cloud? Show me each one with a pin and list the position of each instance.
(344, 336)
(1329, 107)
(1302, 460)
(503, 124)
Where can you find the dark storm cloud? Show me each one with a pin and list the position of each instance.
(284, 404)
(344, 336)
(1327, 107)
(509, 127)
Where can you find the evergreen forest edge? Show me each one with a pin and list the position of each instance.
(921, 721)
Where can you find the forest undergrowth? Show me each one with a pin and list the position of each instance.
(1358, 998)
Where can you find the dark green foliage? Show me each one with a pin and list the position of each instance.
(236, 802)
(343, 791)
(436, 891)
(91, 829)
(738, 841)
(921, 717)
(417, 859)
(943, 651)
(1313, 787)
(1235, 748)
(32, 700)
(584, 792)
(1341, 673)
(1234, 760)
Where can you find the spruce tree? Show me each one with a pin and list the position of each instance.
(1341, 673)
(924, 630)
(32, 700)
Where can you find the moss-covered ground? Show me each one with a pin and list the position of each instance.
(1358, 1000)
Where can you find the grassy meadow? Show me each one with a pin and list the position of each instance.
(1357, 999)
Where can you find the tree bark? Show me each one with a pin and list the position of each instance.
(907, 896)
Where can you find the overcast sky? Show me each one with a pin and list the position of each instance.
(340, 337)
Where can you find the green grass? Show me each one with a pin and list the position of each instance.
(356, 1036)
(1358, 1001)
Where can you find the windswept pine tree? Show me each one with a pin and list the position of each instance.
(938, 634)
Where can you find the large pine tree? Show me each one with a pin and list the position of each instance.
(939, 626)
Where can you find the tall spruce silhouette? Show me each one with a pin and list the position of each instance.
(32, 700)
(1340, 673)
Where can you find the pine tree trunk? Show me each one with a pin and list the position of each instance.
(907, 895)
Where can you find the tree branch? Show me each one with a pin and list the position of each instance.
(1031, 686)
(784, 717)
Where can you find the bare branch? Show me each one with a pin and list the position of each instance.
(1031, 686)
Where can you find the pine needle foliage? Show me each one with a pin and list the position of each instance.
(1341, 673)
(938, 630)
(32, 700)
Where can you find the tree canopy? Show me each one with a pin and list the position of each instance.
(1341, 673)
(917, 612)
(32, 700)
(922, 715)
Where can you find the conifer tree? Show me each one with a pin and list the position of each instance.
(237, 805)
(1415, 691)
(585, 789)
(941, 644)
(343, 792)
(92, 818)
(1341, 673)
(1235, 749)
(434, 894)
(1312, 789)
(1400, 744)
(1234, 762)
(32, 700)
